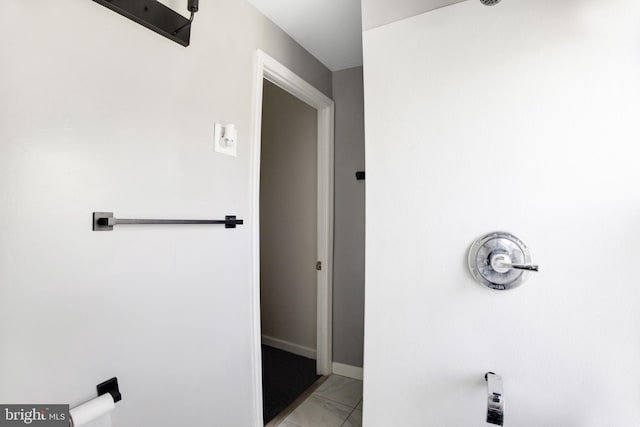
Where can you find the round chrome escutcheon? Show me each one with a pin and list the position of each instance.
(500, 261)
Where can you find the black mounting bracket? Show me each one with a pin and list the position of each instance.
(155, 16)
(360, 175)
(111, 387)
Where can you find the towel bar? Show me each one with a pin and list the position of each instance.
(105, 221)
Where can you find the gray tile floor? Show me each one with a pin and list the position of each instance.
(336, 403)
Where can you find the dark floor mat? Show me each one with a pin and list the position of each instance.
(285, 376)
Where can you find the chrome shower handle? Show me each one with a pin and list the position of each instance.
(501, 263)
(527, 267)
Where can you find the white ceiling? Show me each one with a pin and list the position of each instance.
(331, 30)
(380, 12)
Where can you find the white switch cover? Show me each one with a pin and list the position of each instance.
(224, 145)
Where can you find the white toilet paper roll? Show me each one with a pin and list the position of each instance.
(87, 412)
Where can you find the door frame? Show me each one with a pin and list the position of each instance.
(267, 68)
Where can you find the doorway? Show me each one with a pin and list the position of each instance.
(289, 88)
(288, 248)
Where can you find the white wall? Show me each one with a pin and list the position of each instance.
(288, 219)
(99, 113)
(519, 117)
(348, 263)
(309, 21)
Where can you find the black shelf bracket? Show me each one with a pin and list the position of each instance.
(156, 17)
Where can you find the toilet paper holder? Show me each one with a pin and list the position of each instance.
(110, 386)
(108, 395)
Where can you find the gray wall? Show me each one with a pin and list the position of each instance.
(99, 113)
(348, 277)
(288, 218)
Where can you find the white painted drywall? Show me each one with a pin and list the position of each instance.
(522, 117)
(99, 113)
(330, 29)
(348, 263)
(288, 218)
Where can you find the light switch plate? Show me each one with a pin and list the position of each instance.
(219, 145)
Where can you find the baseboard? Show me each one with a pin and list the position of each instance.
(348, 371)
(300, 350)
